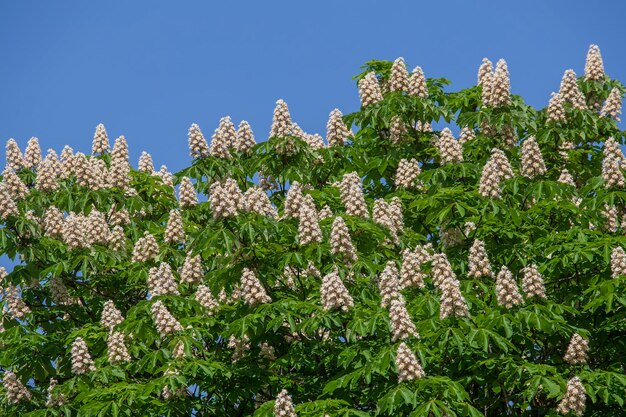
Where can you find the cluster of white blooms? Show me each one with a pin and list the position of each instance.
(574, 399)
(120, 166)
(67, 162)
(450, 150)
(594, 67)
(239, 345)
(283, 406)
(14, 185)
(382, 214)
(244, 141)
(337, 133)
(397, 129)
(417, 83)
(46, 180)
(423, 127)
(452, 302)
(485, 71)
(166, 177)
(81, 358)
(206, 299)
(352, 195)
(566, 178)
(402, 327)
(282, 124)
(406, 173)
(224, 137)
(100, 143)
(32, 154)
(556, 109)
(146, 248)
(618, 262)
(341, 242)
(15, 305)
(53, 159)
(466, 135)
(163, 319)
(308, 228)
(508, 135)
(174, 231)
(55, 399)
(53, 222)
(532, 282)
(117, 239)
(96, 227)
(161, 280)
(7, 205)
(369, 89)
(612, 174)
(74, 233)
(612, 149)
(570, 92)
(16, 392)
(118, 352)
(610, 214)
(399, 78)
(179, 350)
(145, 163)
(441, 269)
(118, 217)
(198, 146)
(187, 193)
(613, 105)
(532, 161)
(226, 200)
(576, 353)
(506, 289)
(388, 284)
(496, 85)
(478, 261)
(408, 366)
(325, 213)
(252, 290)
(191, 272)
(257, 201)
(14, 157)
(293, 200)
(334, 293)
(59, 292)
(411, 274)
(110, 316)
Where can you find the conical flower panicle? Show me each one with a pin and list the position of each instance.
(55, 399)
(14, 158)
(110, 316)
(576, 353)
(55, 163)
(369, 90)
(81, 358)
(206, 299)
(334, 293)
(484, 72)
(32, 154)
(506, 289)
(146, 248)
(163, 319)
(352, 195)
(417, 83)
(226, 200)
(174, 231)
(96, 228)
(74, 231)
(411, 274)
(191, 272)
(16, 307)
(257, 201)
(566, 178)
(341, 242)
(407, 173)
(612, 149)
(67, 162)
(16, 392)
(244, 141)
(399, 78)
(119, 217)
(7, 205)
(466, 135)
(441, 269)
(120, 149)
(402, 327)
(570, 92)
(187, 193)
(618, 262)
(281, 122)
(610, 214)
(532, 161)
(223, 139)
(408, 366)
(14, 185)
(145, 163)
(337, 132)
(198, 146)
(53, 222)
(478, 261)
(117, 350)
(397, 129)
(240, 346)
(452, 302)
(252, 290)
(613, 105)
(556, 111)
(283, 406)
(450, 150)
(389, 284)
(46, 180)
(532, 282)
(161, 281)
(574, 399)
(293, 200)
(117, 239)
(612, 174)
(500, 86)
(308, 228)
(100, 143)
(594, 67)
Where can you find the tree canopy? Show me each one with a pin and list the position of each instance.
(388, 269)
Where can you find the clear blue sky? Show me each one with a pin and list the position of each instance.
(148, 69)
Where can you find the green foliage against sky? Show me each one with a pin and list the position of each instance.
(390, 270)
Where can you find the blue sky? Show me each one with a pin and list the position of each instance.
(149, 69)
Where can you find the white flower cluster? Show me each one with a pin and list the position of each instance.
(226, 200)
(161, 281)
(16, 392)
(532, 161)
(187, 193)
(337, 133)
(110, 316)
(117, 350)
(389, 284)
(478, 261)
(496, 85)
(594, 67)
(352, 195)
(506, 289)
(257, 201)
(252, 290)
(576, 353)
(450, 150)
(223, 139)
(406, 173)
(532, 282)
(309, 230)
(191, 272)
(81, 358)
(334, 293)
(574, 399)
(613, 105)
(402, 327)
(283, 406)
(369, 90)
(165, 322)
(146, 248)
(411, 274)
(556, 109)
(570, 92)
(417, 83)
(206, 299)
(618, 262)
(341, 242)
(174, 231)
(408, 366)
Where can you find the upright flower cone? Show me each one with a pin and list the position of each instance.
(187, 193)
(532, 161)
(245, 138)
(417, 83)
(618, 262)
(352, 195)
(389, 284)
(574, 399)
(532, 282)
(613, 105)
(478, 261)
(81, 358)
(341, 242)
(309, 229)
(369, 90)
(117, 350)
(334, 293)
(252, 291)
(402, 327)
(32, 154)
(100, 143)
(110, 316)
(576, 353)
(165, 322)
(408, 366)
(283, 406)
(198, 146)
(450, 150)
(14, 157)
(16, 392)
(336, 131)
(399, 78)
(506, 289)
(594, 67)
